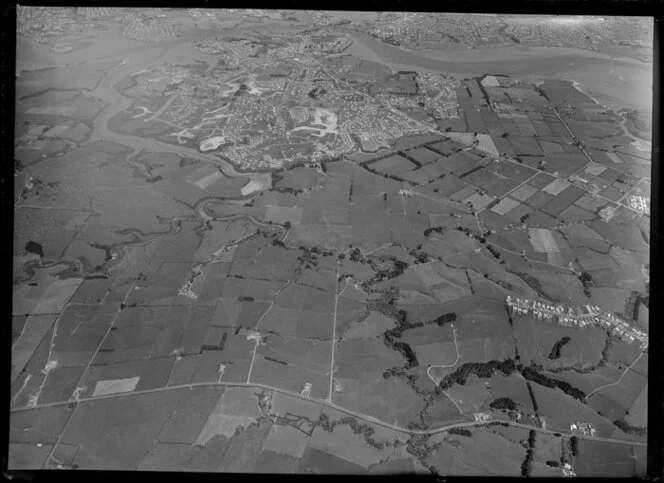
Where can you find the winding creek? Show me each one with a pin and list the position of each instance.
(117, 103)
(136, 60)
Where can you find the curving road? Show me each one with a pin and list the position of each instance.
(117, 104)
(365, 417)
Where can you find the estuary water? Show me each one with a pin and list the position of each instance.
(617, 82)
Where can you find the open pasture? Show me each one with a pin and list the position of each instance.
(266, 262)
(536, 338)
(599, 459)
(49, 296)
(284, 404)
(120, 438)
(560, 410)
(290, 377)
(473, 397)
(161, 287)
(614, 401)
(321, 462)
(513, 387)
(35, 329)
(343, 443)
(374, 325)
(478, 456)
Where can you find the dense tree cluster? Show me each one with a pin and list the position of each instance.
(532, 397)
(574, 445)
(503, 403)
(533, 375)
(482, 370)
(404, 349)
(358, 428)
(587, 281)
(419, 255)
(308, 257)
(34, 247)
(555, 351)
(625, 427)
(460, 432)
(485, 370)
(437, 229)
(494, 252)
(397, 268)
(445, 318)
(355, 255)
(271, 359)
(218, 347)
(527, 465)
(418, 446)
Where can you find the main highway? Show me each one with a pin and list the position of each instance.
(332, 405)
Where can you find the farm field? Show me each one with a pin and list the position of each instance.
(306, 245)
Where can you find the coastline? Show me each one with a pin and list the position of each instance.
(579, 87)
(638, 142)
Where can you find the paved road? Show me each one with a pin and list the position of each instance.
(332, 405)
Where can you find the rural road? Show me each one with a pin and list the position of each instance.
(619, 379)
(444, 366)
(332, 405)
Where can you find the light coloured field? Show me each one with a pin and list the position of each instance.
(115, 386)
(542, 240)
(34, 330)
(237, 407)
(479, 202)
(463, 137)
(524, 192)
(251, 187)
(595, 169)
(555, 187)
(208, 180)
(505, 205)
(614, 157)
(486, 144)
(57, 295)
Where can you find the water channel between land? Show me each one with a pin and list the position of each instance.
(118, 103)
(619, 82)
(514, 61)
